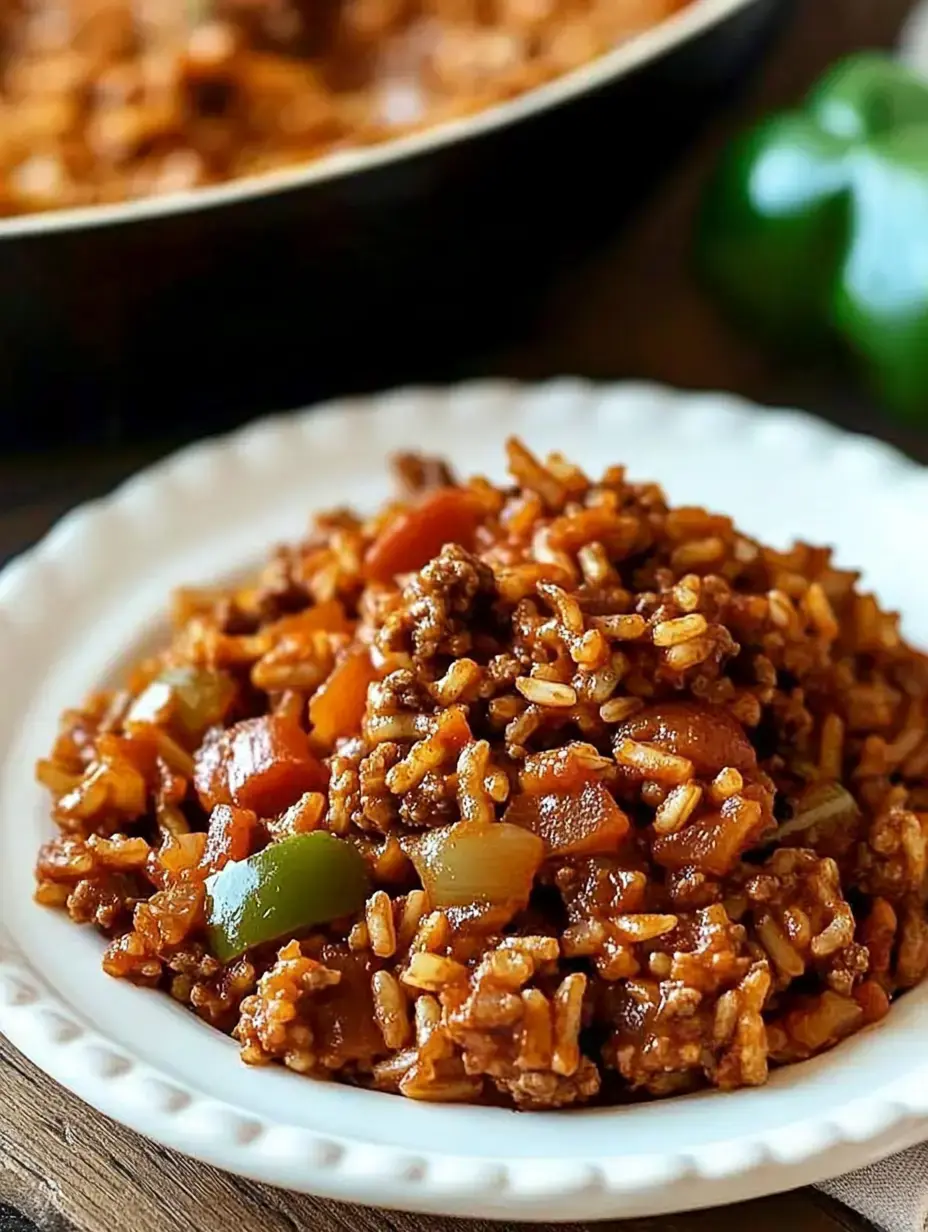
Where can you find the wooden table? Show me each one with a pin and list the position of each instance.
(634, 311)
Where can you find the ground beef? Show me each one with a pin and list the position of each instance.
(643, 803)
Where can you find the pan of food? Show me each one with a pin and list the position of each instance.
(229, 204)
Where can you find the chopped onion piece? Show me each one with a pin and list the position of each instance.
(583, 823)
(475, 862)
(820, 804)
(187, 699)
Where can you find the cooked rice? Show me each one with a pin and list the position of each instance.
(676, 808)
(727, 783)
(381, 930)
(546, 692)
(682, 629)
(720, 750)
(108, 100)
(391, 1010)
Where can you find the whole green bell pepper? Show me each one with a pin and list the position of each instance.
(291, 885)
(816, 224)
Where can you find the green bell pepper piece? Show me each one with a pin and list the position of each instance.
(299, 882)
(816, 224)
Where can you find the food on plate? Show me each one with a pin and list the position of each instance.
(539, 794)
(806, 226)
(106, 100)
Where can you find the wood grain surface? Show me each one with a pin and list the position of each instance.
(633, 312)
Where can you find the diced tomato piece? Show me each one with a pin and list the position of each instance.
(556, 771)
(584, 823)
(414, 536)
(712, 843)
(229, 836)
(326, 617)
(706, 735)
(337, 707)
(262, 764)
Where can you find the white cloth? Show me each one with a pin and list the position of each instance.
(893, 1194)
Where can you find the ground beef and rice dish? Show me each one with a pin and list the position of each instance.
(109, 100)
(537, 795)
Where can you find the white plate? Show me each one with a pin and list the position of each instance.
(78, 606)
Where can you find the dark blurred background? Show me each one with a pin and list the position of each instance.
(600, 284)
